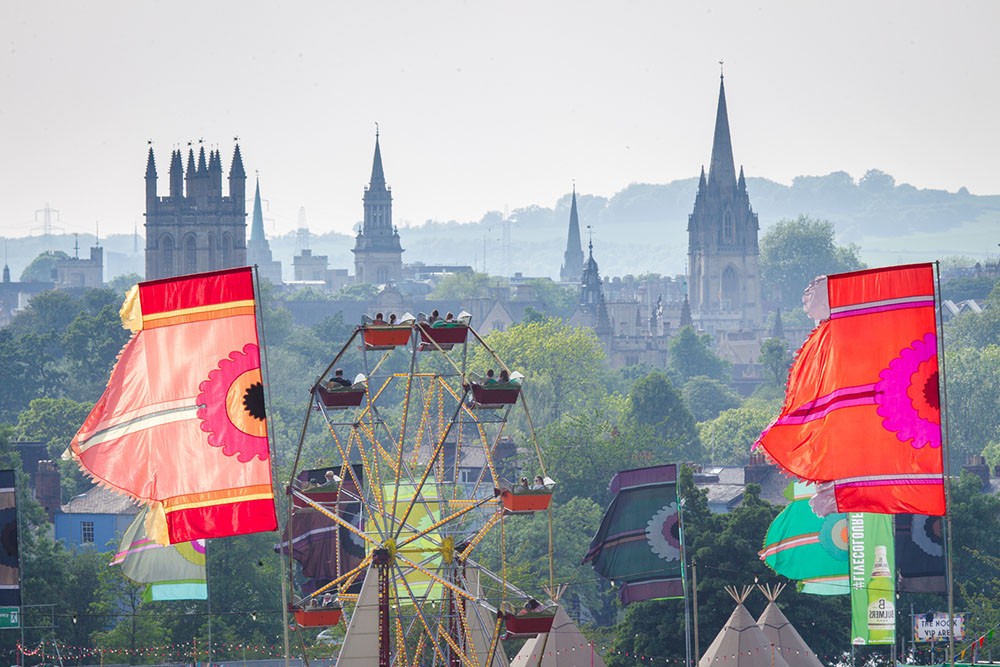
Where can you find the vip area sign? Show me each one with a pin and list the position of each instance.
(934, 627)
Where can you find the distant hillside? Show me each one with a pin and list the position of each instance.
(643, 228)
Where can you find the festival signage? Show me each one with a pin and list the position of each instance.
(934, 627)
(872, 563)
(10, 618)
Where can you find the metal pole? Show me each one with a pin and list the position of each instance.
(687, 606)
(208, 595)
(943, 391)
(694, 593)
(270, 429)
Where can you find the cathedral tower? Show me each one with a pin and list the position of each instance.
(378, 256)
(723, 275)
(572, 267)
(195, 228)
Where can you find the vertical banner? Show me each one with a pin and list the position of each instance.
(638, 544)
(873, 594)
(10, 578)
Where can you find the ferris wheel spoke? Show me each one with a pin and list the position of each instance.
(430, 466)
(417, 609)
(447, 519)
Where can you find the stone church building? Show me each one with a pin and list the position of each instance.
(378, 256)
(195, 228)
(723, 273)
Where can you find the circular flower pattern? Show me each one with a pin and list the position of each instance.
(926, 531)
(193, 551)
(833, 536)
(907, 395)
(231, 406)
(663, 533)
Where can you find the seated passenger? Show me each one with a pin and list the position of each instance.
(539, 484)
(328, 599)
(524, 486)
(531, 606)
(489, 377)
(434, 317)
(379, 320)
(338, 381)
(504, 377)
(392, 319)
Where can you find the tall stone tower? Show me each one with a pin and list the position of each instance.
(572, 267)
(378, 257)
(723, 275)
(195, 228)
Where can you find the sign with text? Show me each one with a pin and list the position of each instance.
(934, 627)
(873, 593)
(10, 617)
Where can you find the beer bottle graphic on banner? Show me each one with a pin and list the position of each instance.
(881, 607)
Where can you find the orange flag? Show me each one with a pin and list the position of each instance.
(181, 424)
(862, 412)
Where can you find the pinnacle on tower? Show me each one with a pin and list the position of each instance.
(237, 167)
(741, 184)
(202, 167)
(721, 170)
(189, 172)
(151, 165)
(378, 176)
(257, 228)
(573, 257)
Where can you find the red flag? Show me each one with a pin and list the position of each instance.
(181, 424)
(862, 411)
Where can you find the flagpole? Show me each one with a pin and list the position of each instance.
(208, 596)
(687, 606)
(943, 393)
(270, 428)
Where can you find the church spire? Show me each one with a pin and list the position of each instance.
(378, 176)
(257, 229)
(573, 257)
(722, 170)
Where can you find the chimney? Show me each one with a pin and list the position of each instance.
(756, 470)
(48, 492)
(976, 464)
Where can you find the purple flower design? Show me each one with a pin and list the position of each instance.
(907, 394)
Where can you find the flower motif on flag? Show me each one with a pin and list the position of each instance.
(926, 534)
(232, 406)
(907, 394)
(833, 536)
(663, 533)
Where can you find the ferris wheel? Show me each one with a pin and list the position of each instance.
(414, 484)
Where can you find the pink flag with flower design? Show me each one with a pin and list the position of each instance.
(862, 411)
(181, 424)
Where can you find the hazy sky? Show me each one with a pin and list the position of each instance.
(481, 104)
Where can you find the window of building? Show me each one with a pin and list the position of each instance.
(190, 254)
(498, 325)
(168, 254)
(212, 251)
(86, 532)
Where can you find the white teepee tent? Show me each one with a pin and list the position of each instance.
(783, 634)
(563, 646)
(480, 624)
(740, 643)
(360, 647)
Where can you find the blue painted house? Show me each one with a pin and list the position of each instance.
(95, 519)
